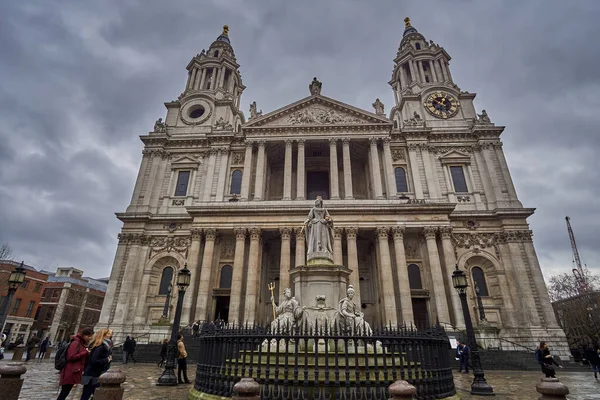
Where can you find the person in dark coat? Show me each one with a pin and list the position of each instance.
(593, 357)
(163, 352)
(465, 353)
(547, 361)
(196, 328)
(133, 345)
(100, 358)
(127, 349)
(44, 347)
(31, 345)
(77, 355)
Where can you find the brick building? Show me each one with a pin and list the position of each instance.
(24, 305)
(69, 303)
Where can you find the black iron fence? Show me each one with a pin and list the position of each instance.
(318, 363)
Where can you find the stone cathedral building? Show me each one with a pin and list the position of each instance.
(412, 193)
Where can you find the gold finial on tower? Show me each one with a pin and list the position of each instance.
(225, 30)
(406, 22)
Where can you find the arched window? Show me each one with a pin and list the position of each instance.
(417, 46)
(401, 184)
(165, 280)
(414, 277)
(225, 280)
(236, 182)
(216, 53)
(479, 279)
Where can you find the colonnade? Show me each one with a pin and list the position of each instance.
(396, 299)
(334, 191)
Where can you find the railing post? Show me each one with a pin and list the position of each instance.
(552, 389)
(11, 381)
(246, 389)
(402, 390)
(110, 385)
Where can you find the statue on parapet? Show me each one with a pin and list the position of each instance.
(379, 107)
(253, 111)
(483, 118)
(160, 126)
(315, 87)
(349, 319)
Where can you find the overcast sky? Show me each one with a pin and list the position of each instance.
(80, 81)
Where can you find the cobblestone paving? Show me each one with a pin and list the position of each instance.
(41, 382)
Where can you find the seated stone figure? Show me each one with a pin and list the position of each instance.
(348, 319)
(288, 313)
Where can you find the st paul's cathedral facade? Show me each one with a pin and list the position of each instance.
(413, 193)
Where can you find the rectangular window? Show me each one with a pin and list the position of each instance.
(37, 288)
(25, 284)
(16, 306)
(30, 308)
(55, 293)
(458, 178)
(182, 183)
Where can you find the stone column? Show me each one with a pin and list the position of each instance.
(285, 261)
(106, 316)
(437, 278)
(121, 311)
(202, 80)
(421, 71)
(348, 192)
(432, 68)
(487, 149)
(538, 280)
(247, 174)
(209, 175)
(485, 177)
(403, 82)
(193, 258)
(450, 262)
(338, 257)
(430, 173)
(510, 186)
(443, 68)
(413, 71)
(252, 278)
(222, 174)
(135, 197)
(190, 80)
(300, 191)
(333, 170)
(300, 246)
(238, 276)
(402, 273)
(353, 262)
(390, 177)
(375, 171)
(519, 262)
(206, 275)
(259, 186)
(287, 173)
(387, 280)
(414, 170)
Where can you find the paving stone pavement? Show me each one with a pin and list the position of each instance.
(41, 383)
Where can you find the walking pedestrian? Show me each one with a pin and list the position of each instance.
(127, 349)
(593, 357)
(44, 347)
(547, 362)
(163, 352)
(181, 360)
(77, 355)
(196, 328)
(133, 345)
(100, 359)
(465, 353)
(31, 345)
(459, 347)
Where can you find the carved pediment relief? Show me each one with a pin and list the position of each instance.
(318, 111)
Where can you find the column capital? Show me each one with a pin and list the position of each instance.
(398, 232)
(446, 232)
(261, 143)
(332, 141)
(196, 233)
(386, 141)
(346, 141)
(338, 232)
(351, 232)
(255, 233)
(288, 142)
(249, 143)
(213, 151)
(373, 140)
(299, 232)
(430, 232)
(383, 232)
(240, 233)
(285, 232)
(301, 142)
(210, 234)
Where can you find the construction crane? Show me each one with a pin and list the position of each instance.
(578, 271)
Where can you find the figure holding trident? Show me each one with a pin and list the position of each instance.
(271, 287)
(288, 313)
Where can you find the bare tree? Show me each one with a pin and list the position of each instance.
(5, 252)
(577, 311)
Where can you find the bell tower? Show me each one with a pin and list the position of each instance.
(214, 87)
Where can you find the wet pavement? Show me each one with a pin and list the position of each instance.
(41, 383)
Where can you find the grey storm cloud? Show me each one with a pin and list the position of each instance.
(80, 81)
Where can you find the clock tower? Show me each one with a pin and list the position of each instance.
(423, 87)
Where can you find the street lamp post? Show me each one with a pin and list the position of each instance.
(479, 386)
(15, 280)
(168, 377)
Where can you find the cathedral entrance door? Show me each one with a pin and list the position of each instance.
(222, 308)
(420, 312)
(317, 184)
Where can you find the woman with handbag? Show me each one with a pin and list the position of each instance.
(100, 358)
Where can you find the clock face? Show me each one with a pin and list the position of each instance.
(441, 105)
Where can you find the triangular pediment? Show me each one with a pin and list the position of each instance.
(184, 160)
(317, 110)
(455, 156)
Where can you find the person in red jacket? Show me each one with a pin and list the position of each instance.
(77, 355)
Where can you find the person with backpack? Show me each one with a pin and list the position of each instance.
(544, 358)
(127, 349)
(70, 360)
(163, 352)
(100, 358)
(593, 357)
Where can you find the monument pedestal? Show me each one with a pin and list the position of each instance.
(318, 280)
